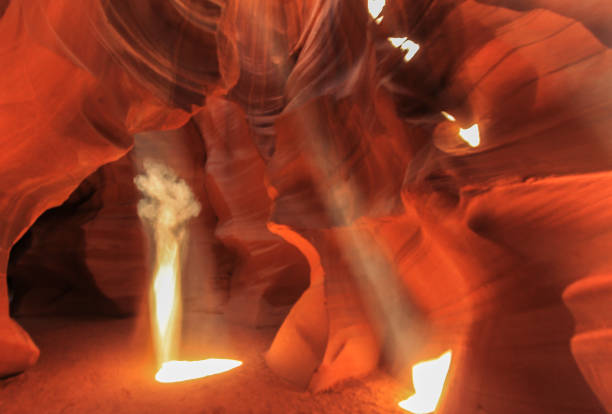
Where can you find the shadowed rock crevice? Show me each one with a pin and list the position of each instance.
(342, 200)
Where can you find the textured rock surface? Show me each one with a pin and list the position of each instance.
(326, 159)
(67, 110)
(270, 274)
(62, 266)
(588, 299)
(71, 245)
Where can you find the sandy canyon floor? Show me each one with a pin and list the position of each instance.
(106, 366)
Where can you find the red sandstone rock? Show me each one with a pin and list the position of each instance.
(589, 301)
(60, 122)
(328, 140)
(270, 274)
(18, 349)
(62, 265)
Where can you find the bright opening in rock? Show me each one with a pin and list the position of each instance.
(298, 201)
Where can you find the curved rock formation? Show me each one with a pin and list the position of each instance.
(339, 176)
(59, 125)
(270, 274)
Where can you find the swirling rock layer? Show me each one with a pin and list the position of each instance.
(330, 174)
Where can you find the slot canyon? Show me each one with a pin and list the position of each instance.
(339, 206)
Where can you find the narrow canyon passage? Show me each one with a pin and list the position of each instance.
(306, 206)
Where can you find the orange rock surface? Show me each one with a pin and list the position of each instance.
(339, 203)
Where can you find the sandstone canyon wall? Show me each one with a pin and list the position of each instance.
(339, 202)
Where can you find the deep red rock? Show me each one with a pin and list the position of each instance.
(61, 122)
(341, 190)
(270, 274)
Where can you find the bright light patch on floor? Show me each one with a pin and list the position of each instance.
(471, 135)
(167, 206)
(428, 378)
(177, 371)
(375, 8)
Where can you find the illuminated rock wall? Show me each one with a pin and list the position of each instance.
(323, 149)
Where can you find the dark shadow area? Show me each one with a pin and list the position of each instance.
(47, 269)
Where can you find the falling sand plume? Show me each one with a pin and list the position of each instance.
(166, 207)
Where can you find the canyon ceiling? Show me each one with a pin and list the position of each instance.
(338, 201)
